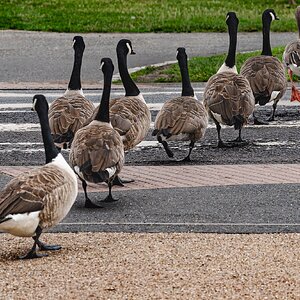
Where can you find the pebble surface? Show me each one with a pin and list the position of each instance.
(153, 266)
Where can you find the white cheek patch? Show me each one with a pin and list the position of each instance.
(34, 103)
(129, 48)
(176, 53)
(101, 66)
(272, 16)
(74, 41)
(227, 18)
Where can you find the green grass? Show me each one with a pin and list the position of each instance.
(200, 68)
(140, 16)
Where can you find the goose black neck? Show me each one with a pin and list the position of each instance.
(266, 38)
(50, 149)
(103, 111)
(187, 89)
(230, 59)
(75, 82)
(130, 87)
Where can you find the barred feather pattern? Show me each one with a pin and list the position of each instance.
(95, 148)
(130, 117)
(228, 95)
(67, 114)
(291, 51)
(265, 75)
(183, 116)
(47, 188)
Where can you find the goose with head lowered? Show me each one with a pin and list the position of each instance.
(97, 151)
(291, 59)
(42, 197)
(129, 115)
(265, 72)
(69, 112)
(227, 96)
(183, 118)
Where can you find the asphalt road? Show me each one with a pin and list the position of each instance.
(239, 208)
(48, 57)
(44, 60)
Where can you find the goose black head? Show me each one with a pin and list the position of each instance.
(106, 65)
(125, 46)
(78, 43)
(39, 103)
(269, 15)
(232, 19)
(181, 53)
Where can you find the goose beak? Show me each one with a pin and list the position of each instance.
(276, 18)
(132, 52)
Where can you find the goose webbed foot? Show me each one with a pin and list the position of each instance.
(238, 142)
(260, 122)
(221, 144)
(120, 182)
(33, 254)
(45, 247)
(90, 204)
(109, 199)
(186, 159)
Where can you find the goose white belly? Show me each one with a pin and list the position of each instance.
(23, 225)
(295, 69)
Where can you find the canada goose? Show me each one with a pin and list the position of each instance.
(97, 151)
(291, 58)
(183, 118)
(42, 197)
(69, 112)
(265, 73)
(227, 96)
(129, 114)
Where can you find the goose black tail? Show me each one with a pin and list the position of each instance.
(238, 121)
(2, 220)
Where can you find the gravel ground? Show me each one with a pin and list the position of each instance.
(154, 266)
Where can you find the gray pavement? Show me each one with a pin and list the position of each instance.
(28, 57)
(48, 57)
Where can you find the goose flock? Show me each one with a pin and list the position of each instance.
(97, 137)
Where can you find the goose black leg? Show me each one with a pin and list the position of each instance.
(120, 182)
(239, 141)
(166, 147)
(88, 203)
(109, 198)
(188, 158)
(32, 253)
(221, 144)
(272, 117)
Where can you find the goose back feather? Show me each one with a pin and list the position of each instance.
(69, 112)
(227, 96)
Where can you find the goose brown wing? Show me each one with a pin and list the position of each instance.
(69, 114)
(228, 95)
(265, 75)
(95, 148)
(27, 192)
(181, 115)
(131, 118)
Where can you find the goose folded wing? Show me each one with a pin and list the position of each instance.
(26, 192)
